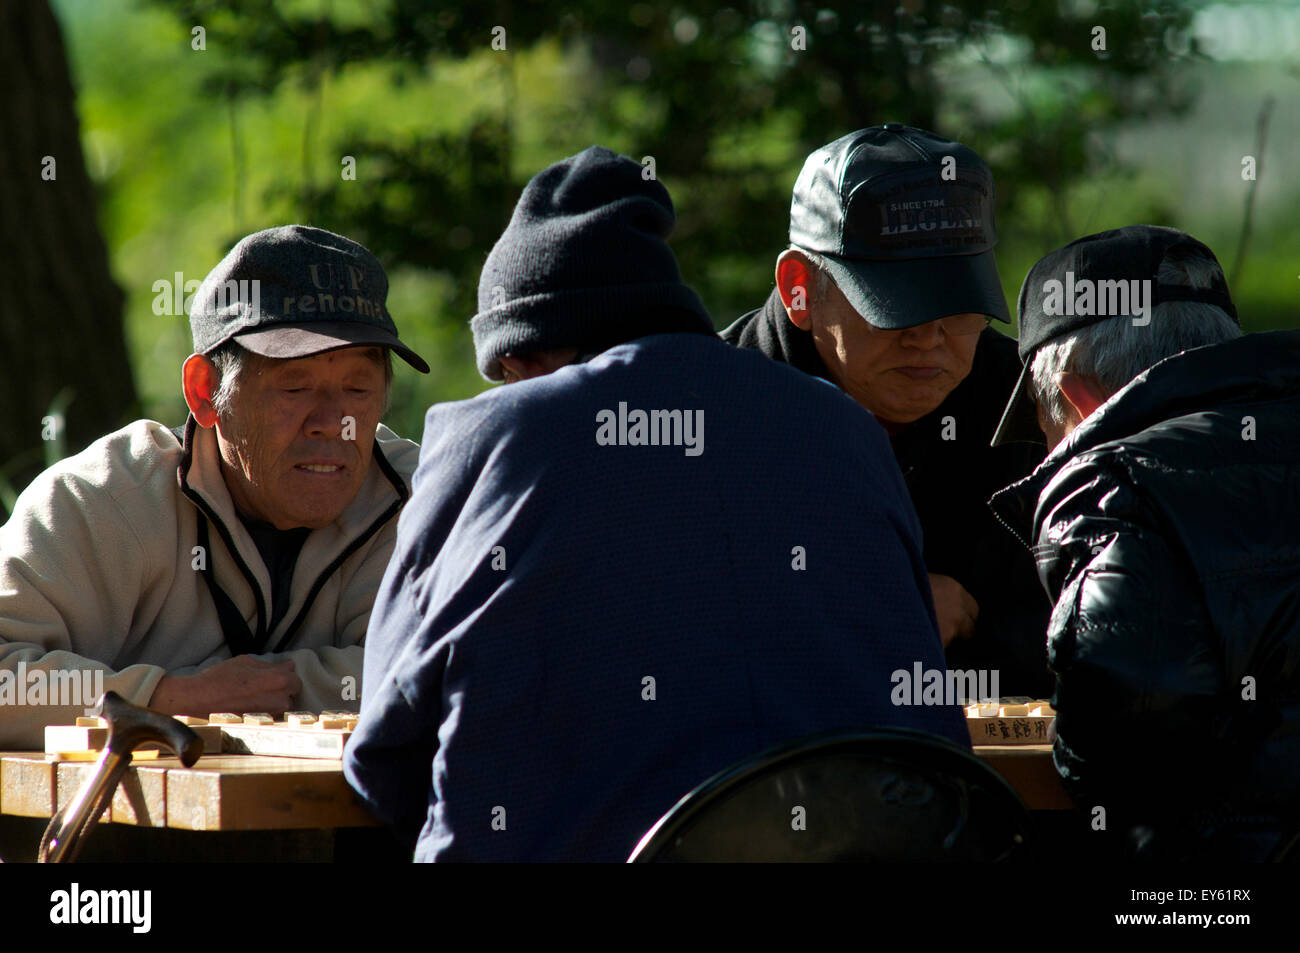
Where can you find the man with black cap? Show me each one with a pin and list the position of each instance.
(886, 291)
(603, 589)
(1166, 525)
(229, 565)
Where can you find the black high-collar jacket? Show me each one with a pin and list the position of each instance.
(1167, 530)
(950, 482)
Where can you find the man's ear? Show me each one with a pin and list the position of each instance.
(199, 380)
(538, 363)
(1082, 393)
(794, 281)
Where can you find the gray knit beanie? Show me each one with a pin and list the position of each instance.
(583, 263)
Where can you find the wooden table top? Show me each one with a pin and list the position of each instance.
(226, 792)
(232, 792)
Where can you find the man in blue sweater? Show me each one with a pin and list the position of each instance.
(628, 573)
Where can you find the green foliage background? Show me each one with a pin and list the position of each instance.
(194, 149)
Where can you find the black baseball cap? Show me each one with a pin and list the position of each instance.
(295, 291)
(907, 236)
(1132, 253)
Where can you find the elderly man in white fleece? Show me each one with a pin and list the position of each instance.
(229, 565)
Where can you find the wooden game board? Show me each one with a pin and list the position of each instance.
(297, 735)
(1010, 721)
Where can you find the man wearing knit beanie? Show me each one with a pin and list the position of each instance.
(583, 265)
(592, 607)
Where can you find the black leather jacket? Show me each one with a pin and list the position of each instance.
(1167, 531)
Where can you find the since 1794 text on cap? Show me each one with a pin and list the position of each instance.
(904, 220)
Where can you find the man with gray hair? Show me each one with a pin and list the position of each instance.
(1166, 527)
(230, 564)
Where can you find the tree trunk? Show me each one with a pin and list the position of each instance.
(61, 334)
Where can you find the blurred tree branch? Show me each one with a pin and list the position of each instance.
(1247, 219)
(710, 82)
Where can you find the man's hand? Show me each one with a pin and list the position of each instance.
(241, 684)
(956, 608)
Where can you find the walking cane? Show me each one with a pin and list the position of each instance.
(129, 726)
